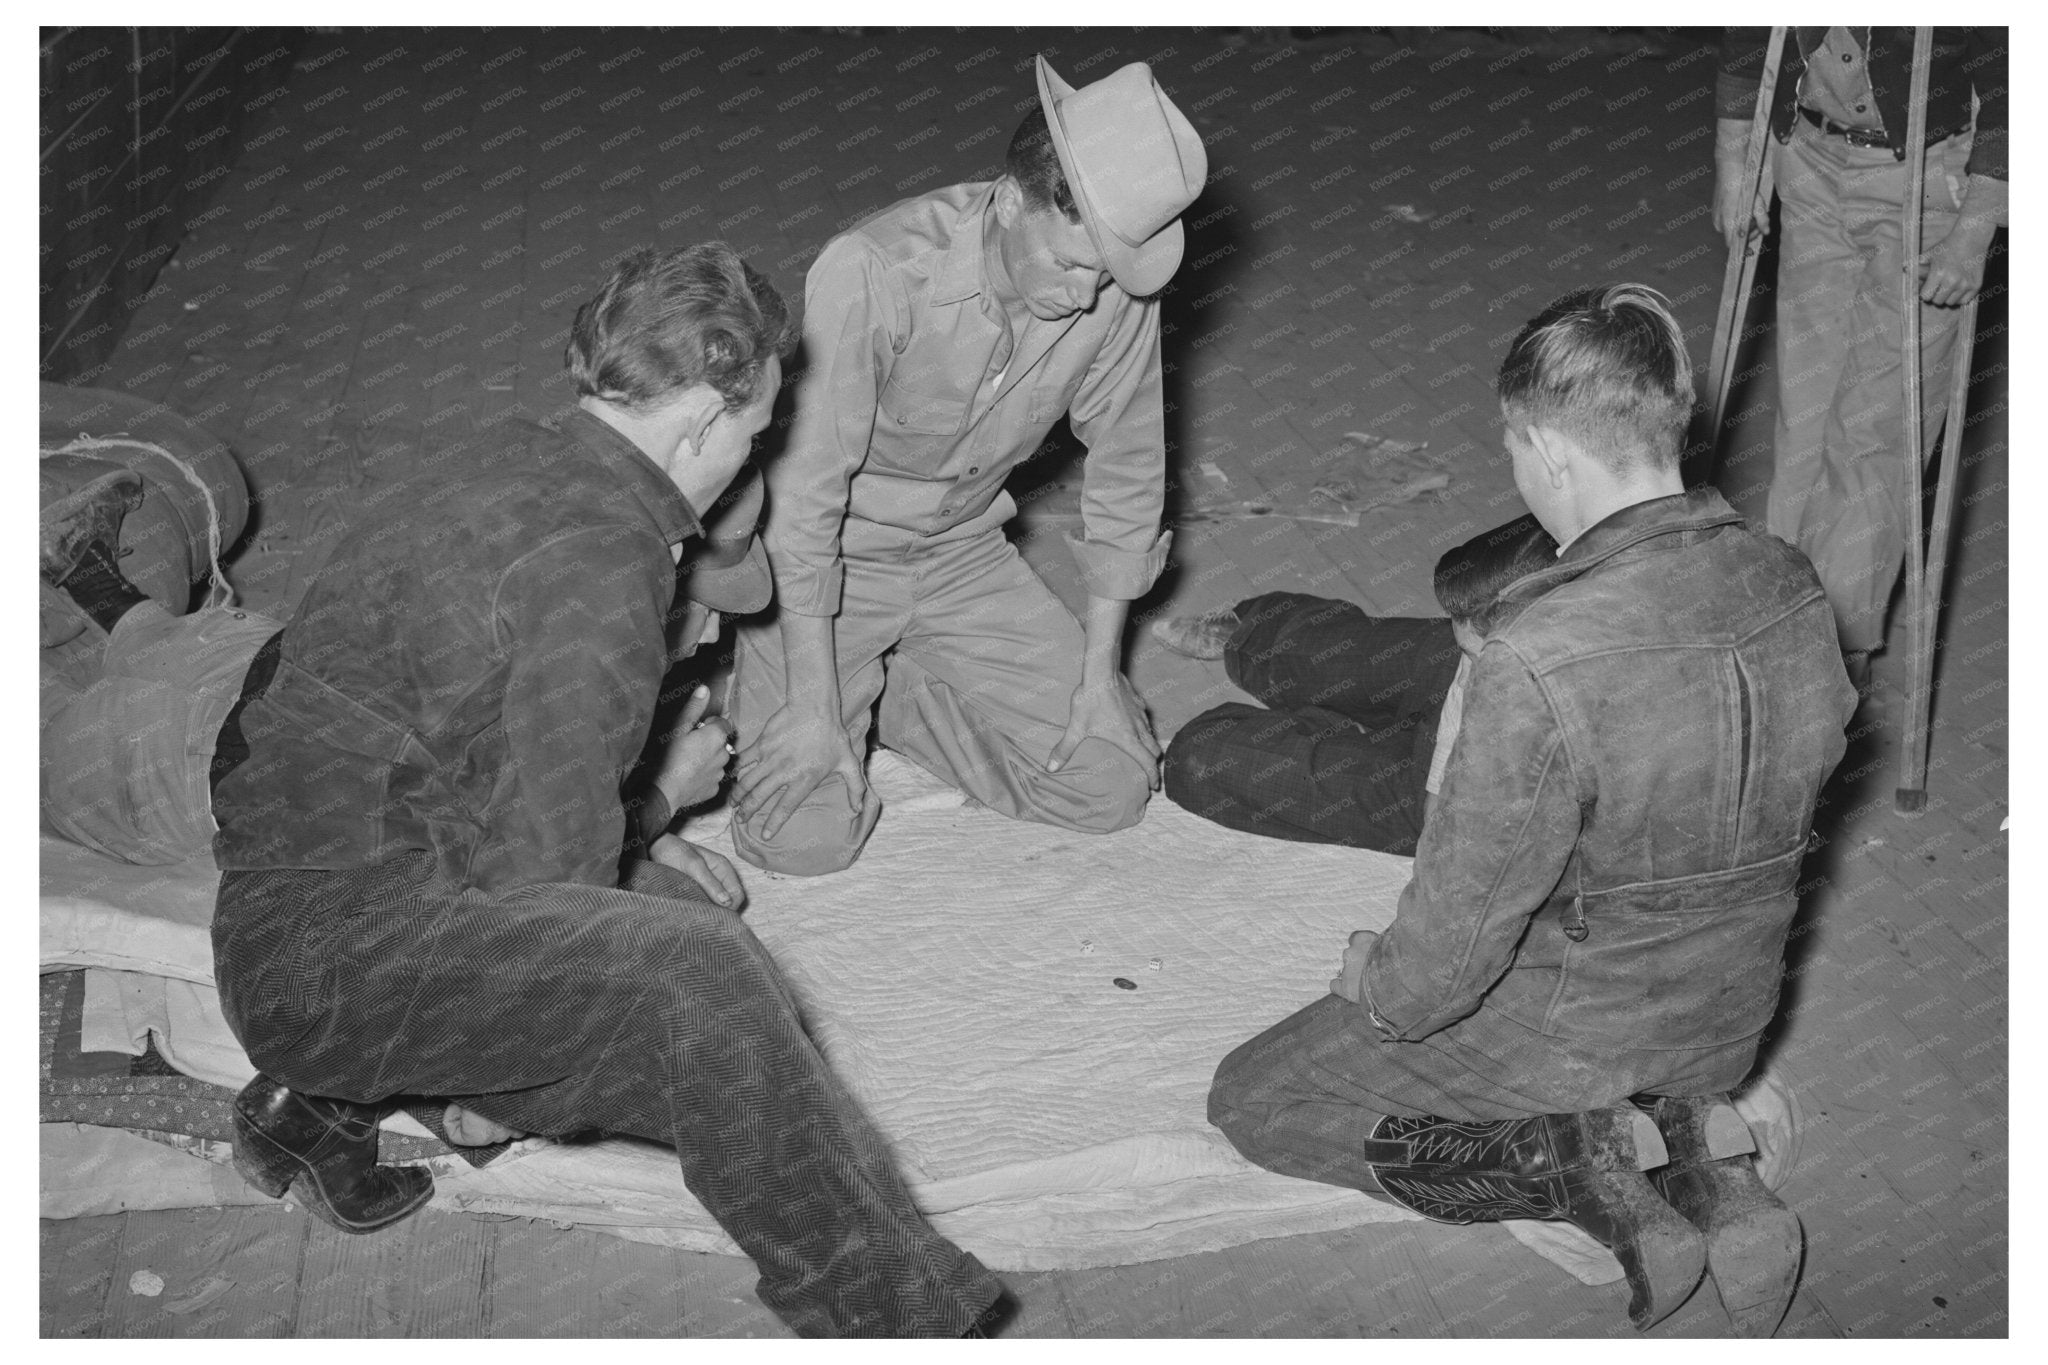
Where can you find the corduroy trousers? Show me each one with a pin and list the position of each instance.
(644, 1010)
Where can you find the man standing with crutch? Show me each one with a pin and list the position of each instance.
(1839, 120)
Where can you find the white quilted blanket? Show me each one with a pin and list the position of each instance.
(962, 979)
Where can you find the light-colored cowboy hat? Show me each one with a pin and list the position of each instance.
(1134, 163)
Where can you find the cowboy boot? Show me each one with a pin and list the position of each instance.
(1584, 1168)
(1753, 1240)
(81, 550)
(329, 1148)
(76, 518)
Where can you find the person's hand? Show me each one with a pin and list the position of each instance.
(1349, 981)
(698, 752)
(1953, 271)
(1740, 214)
(1110, 712)
(701, 865)
(794, 753)
(467, 1128)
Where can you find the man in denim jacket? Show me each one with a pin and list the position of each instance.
(434, 881)
(1605, 880)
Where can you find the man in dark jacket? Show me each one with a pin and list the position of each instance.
(1604, 883)
(421, 829)
(1838, 161)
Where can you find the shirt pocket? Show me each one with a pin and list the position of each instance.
(915, 429)
(922, 413)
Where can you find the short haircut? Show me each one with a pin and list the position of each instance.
(670, 319)
(1034, 163)
(1470, 577)
(1607, 366)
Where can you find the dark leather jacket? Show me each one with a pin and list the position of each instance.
(1613, 855)
(472, 671)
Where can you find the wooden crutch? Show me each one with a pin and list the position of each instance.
(1740, 275)
(1926, 566)
(1923, 610)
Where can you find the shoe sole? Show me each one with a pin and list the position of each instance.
(1755, 1264)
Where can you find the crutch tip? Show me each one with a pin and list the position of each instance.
(1910, 800)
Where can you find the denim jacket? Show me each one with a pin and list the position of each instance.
(1614, 854)
(472, 671)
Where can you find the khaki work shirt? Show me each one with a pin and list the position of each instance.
(917, 400)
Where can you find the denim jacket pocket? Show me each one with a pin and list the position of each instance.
(352, 785)
(1687, 962)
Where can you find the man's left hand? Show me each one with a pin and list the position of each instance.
(1110, 712)
(1953, 271)
(1349, 981)
(708, 869)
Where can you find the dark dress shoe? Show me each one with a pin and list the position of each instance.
(329, 1149)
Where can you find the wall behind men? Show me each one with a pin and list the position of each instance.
(139, 128)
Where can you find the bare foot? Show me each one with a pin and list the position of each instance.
(466, 1128)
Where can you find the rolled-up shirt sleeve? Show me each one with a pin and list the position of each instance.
(581, 621)
(1118, 413)
(1498, 837)
(850, 321)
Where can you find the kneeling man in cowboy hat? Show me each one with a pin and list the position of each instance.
(943, 337)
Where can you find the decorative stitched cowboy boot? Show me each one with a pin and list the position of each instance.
(329, 1147)
(1583, 1168)
(1753, 1240)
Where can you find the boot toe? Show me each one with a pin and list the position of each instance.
(1755, 1264)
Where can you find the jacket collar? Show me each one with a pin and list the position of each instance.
(643, 478)
(962, 274)
(1696, 509)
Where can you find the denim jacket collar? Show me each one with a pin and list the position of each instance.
(1696, 509)
(654, 490)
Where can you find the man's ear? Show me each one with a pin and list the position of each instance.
(1551, 447)
(699, 423)
(1009, 201)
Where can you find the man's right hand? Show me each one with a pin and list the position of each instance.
(795, 752)
(1740, 211)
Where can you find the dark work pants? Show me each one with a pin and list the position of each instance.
(1342, 753)
(556, 1008)
(1302, 1097)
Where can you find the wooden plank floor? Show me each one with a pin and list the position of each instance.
(393, 261)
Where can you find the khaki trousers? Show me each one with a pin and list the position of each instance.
(1839, 489)
(973, 662)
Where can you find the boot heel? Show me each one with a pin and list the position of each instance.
(1727, 1134)
(261, 1162)
(1663, 1256)
(1643, 1137)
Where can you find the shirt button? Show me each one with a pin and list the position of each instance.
(974, 469)
(1862, 108)
(1848, 56)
